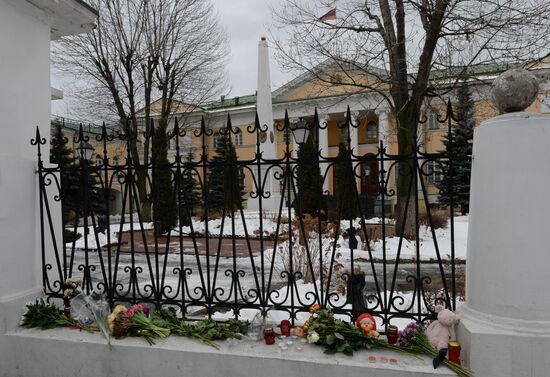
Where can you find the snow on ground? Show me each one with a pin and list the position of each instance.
(301, 290)
(251, 227)
(427, 244)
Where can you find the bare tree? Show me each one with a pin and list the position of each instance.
(143, 51)
(393, 47)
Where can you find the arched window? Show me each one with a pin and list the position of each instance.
(433, 122)
(370, 184)
(372, 132)
(99, 160)
(239, 137)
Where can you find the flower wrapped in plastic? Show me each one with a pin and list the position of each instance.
(134, 322)
(338, 336)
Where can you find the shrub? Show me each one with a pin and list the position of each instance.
(70, 236)
(440, 219)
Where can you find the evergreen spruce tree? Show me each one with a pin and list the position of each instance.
(345, 189)
(164, 213)
(226, 186)
(70, 191)
(189, 193)
(309, 182)
(456, 181)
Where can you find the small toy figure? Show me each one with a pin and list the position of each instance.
(442, 330)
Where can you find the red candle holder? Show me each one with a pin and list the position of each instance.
(285, 327)
(454, 352)
(269, 335)
(392, 334)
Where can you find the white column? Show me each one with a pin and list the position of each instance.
(323, 148)
(24, 104)
(383, 127)
(265, 114)
(354, 145)
(384, 134)
(505, 326)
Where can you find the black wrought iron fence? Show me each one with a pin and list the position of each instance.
(201, 249)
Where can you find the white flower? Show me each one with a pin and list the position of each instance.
(313, 337)
(315, 315)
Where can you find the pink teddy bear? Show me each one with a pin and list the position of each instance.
(442, 330)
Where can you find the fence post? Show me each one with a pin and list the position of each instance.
(505, 326)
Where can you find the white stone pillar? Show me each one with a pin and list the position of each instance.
(268, 145)
(24, 104)
(505, 326)
(323, 148)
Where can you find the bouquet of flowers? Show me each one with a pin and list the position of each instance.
(413, 339)
(206, 330)
(48, 316)
(339, 336)
(72, 288)
(134, 322)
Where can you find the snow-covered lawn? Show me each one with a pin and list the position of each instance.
(394, 247)
(224, 268)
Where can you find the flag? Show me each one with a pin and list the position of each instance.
(330, 15)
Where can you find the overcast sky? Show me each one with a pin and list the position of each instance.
(245, 21)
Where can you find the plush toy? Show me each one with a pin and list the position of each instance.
(441, 331)
(367, 324)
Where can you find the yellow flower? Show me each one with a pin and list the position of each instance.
(118, 309)
(313, 308)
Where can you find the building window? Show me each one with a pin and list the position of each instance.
(434, 172)
(372, 132)
(239, 137)
(98, 160)
(115, 161)
(217, 140)
(173, 142)
(433, 121)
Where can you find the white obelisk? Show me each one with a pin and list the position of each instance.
(268, 140)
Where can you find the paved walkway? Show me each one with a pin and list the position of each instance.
(243, 248)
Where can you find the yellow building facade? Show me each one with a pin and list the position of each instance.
(302, 96)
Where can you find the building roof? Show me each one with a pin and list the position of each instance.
(178, 107)
(74, 125)
(475, 70)
(68, 17)
(232, 102)
(278, 94)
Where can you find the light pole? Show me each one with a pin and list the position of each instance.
(300, 132)
(85, 151)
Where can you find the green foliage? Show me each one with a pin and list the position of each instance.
(69, 236)
(339, 336)
(74, 185)
(456, 181)
(48, 316)
(225, 181)
(206, 330)
(189, 195)
(309, 182)
(346, 191)
(164, 214)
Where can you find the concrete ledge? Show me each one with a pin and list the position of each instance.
(496, 346)
(64, 352)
